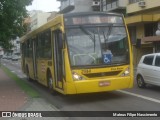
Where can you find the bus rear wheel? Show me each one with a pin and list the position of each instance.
(27, 74)
(50, 83)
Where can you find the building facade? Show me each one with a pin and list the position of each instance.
(38, 18)
(79, 5)
(114, 6)
(143, 18)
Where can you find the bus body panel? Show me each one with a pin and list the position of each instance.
(99, 84)
(41, 71)
(91, 86)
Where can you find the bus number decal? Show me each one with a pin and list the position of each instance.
(116, 68)
(86, 71)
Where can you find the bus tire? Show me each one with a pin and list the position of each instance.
(50, 83)
(27, 74)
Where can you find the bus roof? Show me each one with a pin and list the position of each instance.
(42, 28)
(58, 19)
(91, 13)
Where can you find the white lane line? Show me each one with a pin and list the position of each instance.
(140, 96)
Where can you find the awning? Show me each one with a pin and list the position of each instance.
(142, 18)
(151, 39)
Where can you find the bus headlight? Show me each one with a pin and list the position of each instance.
(126, 72)
(76, 76)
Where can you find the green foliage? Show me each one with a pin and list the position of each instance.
(12, 14)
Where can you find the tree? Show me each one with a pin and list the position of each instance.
(12, 14)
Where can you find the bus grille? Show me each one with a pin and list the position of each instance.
(102, 74)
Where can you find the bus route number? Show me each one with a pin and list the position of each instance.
(86, 71)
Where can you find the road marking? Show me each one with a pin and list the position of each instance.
(140, 96)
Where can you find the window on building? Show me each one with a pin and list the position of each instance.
(133, 1)
(109, 4)
(150, 29)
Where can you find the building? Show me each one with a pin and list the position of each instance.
(38, 18)
(27, 22)
(114, 6)
(79, 5)
(53, 14)
(143, 18)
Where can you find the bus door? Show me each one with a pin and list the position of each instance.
(34, 57)
(58, 58)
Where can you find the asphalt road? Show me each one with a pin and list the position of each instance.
(134, 99)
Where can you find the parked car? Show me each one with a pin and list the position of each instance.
(15, 57)
(9, 57)
(148, 70)
(4, 57)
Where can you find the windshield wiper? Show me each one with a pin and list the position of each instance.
(92, 37)
(108, 33)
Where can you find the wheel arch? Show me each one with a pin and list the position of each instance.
(47, 74)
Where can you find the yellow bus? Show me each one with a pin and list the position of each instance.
(79, 53)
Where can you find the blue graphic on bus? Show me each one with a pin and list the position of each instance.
(107, 58)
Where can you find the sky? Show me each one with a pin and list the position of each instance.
(44, 5)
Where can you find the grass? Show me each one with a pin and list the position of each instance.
(23, 84)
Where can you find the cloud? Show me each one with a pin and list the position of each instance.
(44, 5)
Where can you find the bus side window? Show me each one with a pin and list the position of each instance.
(47, 45)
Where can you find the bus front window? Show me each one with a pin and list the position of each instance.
(89, 45)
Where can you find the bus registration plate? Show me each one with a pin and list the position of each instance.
(104, 83)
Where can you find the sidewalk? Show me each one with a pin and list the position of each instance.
(12, 98)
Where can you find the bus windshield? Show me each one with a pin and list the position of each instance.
(97, 45)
